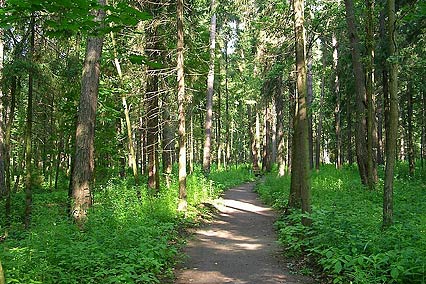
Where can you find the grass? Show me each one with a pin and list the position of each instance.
(126, 240)
(347, 240)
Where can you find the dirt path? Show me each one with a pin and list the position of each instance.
(238, 247)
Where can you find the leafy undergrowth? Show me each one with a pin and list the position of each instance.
(346, 239)
(126, 240)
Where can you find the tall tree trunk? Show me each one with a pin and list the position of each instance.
(310, 98)
(152, 112)
(392, 125)
(2, 124)
(411, 157)
(423, 138)
(132, 153)
(210, 91)
(181, 101)
(279, 105)
(267, 146)
(337, 119)
(84, 162)
(290, 128)
(252, 132)
(219, 128)
(371, 156)
(168, 140)
(320, 114)
(349, 130)
(382, 98)
(227, 116)
(8, 133)
(151, 103)
(28, 131)
(300, 179)
(360, 135)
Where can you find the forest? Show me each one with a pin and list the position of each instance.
(121, 119)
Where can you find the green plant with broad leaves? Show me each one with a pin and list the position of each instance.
(127, 239)
(346, 238)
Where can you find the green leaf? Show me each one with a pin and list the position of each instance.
(337, 267)
(394, 273)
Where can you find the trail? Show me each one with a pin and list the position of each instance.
(239, 246)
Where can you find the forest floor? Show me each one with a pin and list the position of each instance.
(238, 246)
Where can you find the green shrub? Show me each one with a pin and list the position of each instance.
(125, 240)
(346, 237)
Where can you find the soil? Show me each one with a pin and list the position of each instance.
(239, 246)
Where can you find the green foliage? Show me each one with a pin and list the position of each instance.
(346, 238)
(126, 239)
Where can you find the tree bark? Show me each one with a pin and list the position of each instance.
(152, 111)
(2, 278)
(423, 138)
(337, 116)
(151, 103)
(392, 125)
(300, 179)
(252, 131)
(210, 91)
(310, 98)
(371, 156)
(168, 140)
(84, 162)
(361, 146)
(2, 124)
(181, 102)
(9, 125)
(320, 115)
(132, 153)
(28, 132)
(411, 156)
(279, 105)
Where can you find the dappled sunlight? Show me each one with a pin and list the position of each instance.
(230, 205)
(238, 247)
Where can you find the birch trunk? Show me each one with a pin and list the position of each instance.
(210, 91)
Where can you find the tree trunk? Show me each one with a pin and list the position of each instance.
(364, 168)
(392, 125)
(84, 162)
(267, 146)
(337, 119)
(9, 125)
(152, 111)
(152, 106)
(300, 180)
(219, 128)
(28, 132)
(168, 140)
(227, 117)
(132, 153)
(381, 101)
(423, 138)
(411, 157)
(371, 159)
(2, 124)
(279, 105)
(252, 131)
(210, 91)
(320, 114)
(310, 98)
(181, 101)
(2, 278)
(290, 128)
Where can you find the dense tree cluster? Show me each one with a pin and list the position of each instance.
(89, 91)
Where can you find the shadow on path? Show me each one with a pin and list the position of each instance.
(238, 247)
